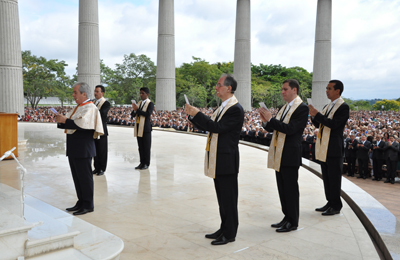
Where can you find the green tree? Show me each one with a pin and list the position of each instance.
(387, 105)
(125, 81)
(199, 72)
(276, 74)
(43, 78)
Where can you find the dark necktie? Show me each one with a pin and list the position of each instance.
(329, 110)
(285, 113)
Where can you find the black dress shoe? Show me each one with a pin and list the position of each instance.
(322, 209)
(392, 181)
(287, 227)
(101, 172)
(359, 177)
(387, 181)
(330, 212)
(138, 167)
(83, 211)
(144, 167)
(74, 208)
(278, 225)
(95, 171)
(214, 235)
(374, 179)
(221, 241)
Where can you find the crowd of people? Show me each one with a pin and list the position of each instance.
(361, 123)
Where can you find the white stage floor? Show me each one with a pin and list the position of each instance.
(165, 211)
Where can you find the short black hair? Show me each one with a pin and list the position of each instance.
(293, 84)
(338, 85)
(145, 89)
(103, 89)
(230, 81)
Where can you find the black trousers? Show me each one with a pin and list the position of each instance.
(332, 178)
(288, 189)
(363, 167)
(100, 161)
(226, 187)
(81, 169)
(144, 144)
(377, 165)
(351, 165)
(391, 169)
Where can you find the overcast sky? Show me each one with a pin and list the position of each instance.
(365, 35)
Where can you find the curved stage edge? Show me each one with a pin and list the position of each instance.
(164, 212)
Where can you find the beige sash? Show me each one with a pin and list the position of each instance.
(102, 100)
(321, 146)
(210, 159)
(140, 119)
(86, 116)
(278, 139)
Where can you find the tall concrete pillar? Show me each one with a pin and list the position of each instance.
(11, 85)
(165, 82)
(88, 44)
(242, 65)
(322, 54)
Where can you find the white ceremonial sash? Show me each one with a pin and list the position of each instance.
(210, 159)
(140, 119)
(321, 146)
(86, 116)
(278, 138)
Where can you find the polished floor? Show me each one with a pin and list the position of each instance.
(164, 212)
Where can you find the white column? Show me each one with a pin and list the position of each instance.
(242, 65)
(165, 82)
(88, 44)
(11, 85)
(322, 53)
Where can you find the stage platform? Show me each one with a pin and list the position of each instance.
(165, 211)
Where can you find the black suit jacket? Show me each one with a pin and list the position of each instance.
(80, 144)
(336, 124)
(147, 114)
(292, 149)
(378, 153)
(362, 151)
(391, 152)
(228, 129)
(103, 113)
(351, 147)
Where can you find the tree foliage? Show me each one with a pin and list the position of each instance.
(387, 105)
(43, 78)
(125, 81)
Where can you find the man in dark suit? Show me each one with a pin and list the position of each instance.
(312, 149)
(329, 146)
(363, 147)
(222, 155)
(285, 151)
(81, 130)
(100, 160)
(391, 155)
(142, 111)
(306, 144)
(378, 157)
(351, 147)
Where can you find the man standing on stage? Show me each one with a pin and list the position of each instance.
(82, 125)
(330, 145)
(222, 154)
(100, 160)
(142, 111)
(285, 151)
